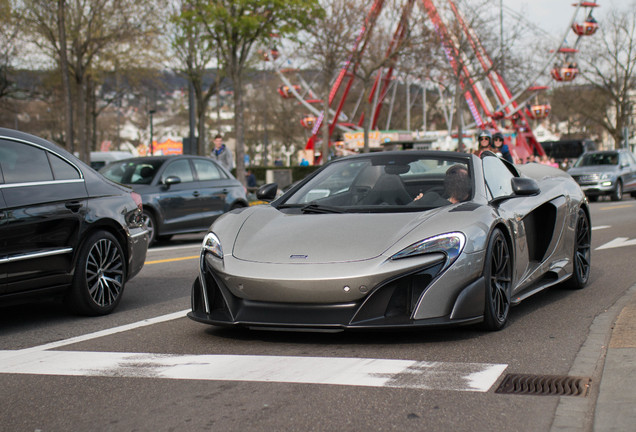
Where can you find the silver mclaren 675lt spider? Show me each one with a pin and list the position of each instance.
(395, 240)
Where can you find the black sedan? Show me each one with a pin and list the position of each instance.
(180, 194)
(64, 229)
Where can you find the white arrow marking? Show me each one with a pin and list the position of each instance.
(476, 377)
(618, 242)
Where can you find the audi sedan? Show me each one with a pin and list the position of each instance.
(65, 230)
(609, 172)
(180, 194)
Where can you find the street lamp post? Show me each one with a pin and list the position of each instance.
(151, 112)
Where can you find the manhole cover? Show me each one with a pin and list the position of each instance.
(544, 385)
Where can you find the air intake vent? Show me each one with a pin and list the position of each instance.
(544, 385)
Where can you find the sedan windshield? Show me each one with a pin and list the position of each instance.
(593, 159)
(131, 171)
(382, 182)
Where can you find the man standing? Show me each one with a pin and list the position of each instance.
(222, 154)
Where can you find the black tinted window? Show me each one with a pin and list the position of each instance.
(206, 170)
(62, 170)
(22, 163)
(179, 168)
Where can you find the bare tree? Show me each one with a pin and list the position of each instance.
(96, 32)
(9, 32)
(609, 64)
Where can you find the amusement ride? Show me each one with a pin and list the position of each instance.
(490, 101)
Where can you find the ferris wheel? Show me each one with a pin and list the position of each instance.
(490, 100)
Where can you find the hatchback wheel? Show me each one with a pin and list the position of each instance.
(151, 225)
(100, 275)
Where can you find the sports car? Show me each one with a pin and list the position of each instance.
(395, 240)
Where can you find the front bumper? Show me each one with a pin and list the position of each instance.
(392, 304)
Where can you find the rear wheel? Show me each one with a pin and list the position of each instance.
(100, 275)
(498, 275)
(582, 253)
(617, 195)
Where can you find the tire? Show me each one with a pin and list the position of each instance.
(581, 258)
(100, 276)
(498, 274)
(151, 225)
(617, 195)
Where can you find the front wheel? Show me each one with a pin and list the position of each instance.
(617, 195)
(582, 253)
(151, 226)
(100, 275)
(498, 275)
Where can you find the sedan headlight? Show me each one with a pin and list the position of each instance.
(606, 176)
(450, 244)
(212, 244)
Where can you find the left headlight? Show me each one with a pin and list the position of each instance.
(212, 244)
(450, 244)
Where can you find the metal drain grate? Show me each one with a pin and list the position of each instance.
(544, 385)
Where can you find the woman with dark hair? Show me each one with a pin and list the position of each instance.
(500, 148)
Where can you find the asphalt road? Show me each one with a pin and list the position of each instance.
(151, 386)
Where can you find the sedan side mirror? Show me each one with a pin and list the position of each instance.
(267, 192)
(523, 186)
(171, 180)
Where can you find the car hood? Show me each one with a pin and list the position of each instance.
(270, 236)
(593, 169)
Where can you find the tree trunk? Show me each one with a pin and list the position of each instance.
(80, 105)
(66, 82)
(325, 124)
(239, 153)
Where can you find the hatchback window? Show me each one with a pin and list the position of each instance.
(206, 170)
(22, 163)
(180, 168)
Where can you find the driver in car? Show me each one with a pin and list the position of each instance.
(456, 186)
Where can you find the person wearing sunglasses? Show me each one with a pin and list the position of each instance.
(484, 142)
(500, 148)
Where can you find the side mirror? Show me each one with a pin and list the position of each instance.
(523, 186)
(171, 180)
(267, 192)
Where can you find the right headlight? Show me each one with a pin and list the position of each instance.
(212, 244)
(450, 244)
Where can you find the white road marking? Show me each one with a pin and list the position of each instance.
(474, 377)
(43, 360)
(600, 227)
(618, 242)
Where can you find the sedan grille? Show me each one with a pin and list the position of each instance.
(587, 178)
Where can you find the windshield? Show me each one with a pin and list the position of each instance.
(593, 159)
(131, 172)
(409, 181)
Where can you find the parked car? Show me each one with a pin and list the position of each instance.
(180, 194)
(609, 172)
(65, 230)
(396, 240)
(99, 159)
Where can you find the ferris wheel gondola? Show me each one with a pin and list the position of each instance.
(589, 26)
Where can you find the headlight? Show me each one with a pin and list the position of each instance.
(450, 244)
(606, 176)
(212, 244)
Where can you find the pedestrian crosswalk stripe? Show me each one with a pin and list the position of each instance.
(475, 377)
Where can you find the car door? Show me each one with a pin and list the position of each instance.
(628, 171)
(179, 203)
(214, 188)
(44, 206)
(3, 220)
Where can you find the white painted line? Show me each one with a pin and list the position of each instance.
(196, 246)
(475, 377)
(95, 335)
(618, 242)
(600, 227)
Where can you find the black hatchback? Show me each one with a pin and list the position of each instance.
(65, 230)
(180, 194)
